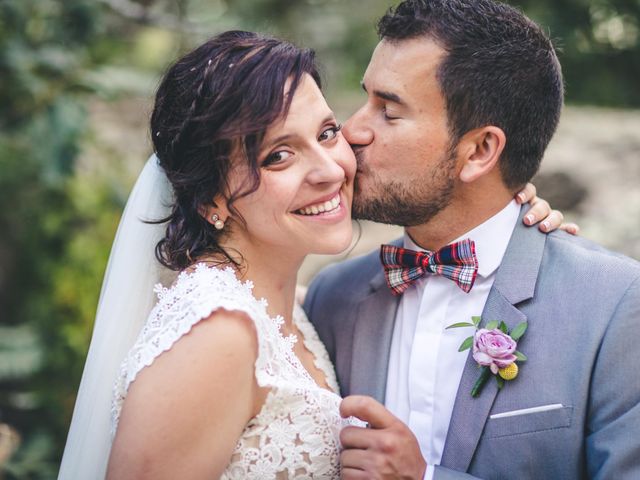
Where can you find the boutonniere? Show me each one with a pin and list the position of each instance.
(494, 350)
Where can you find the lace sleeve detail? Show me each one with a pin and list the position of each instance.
(195, 296)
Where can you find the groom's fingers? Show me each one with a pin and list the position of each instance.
(354, 459)
(356, 437)
(386, 450)
(368, 410)
(354, 474)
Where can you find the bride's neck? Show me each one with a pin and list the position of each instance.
(277, 284)
(274, 278)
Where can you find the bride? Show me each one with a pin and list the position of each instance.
(227, 377)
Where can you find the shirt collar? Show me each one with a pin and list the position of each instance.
(491, 238)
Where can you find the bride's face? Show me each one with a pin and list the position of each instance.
(303, 203)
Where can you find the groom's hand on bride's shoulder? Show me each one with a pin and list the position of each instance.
(386, 449)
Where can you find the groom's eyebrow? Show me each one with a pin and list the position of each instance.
(388, 96)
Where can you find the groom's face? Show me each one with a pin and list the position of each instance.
(406, 163)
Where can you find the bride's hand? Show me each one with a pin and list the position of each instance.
(541, 212)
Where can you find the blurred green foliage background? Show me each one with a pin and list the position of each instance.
(73, 70)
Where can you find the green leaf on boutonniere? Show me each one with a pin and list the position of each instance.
(518, 331)
(466, 344)
(485, 373)
(494, 341)
(460, 324)
(491, 325)
(520, 356)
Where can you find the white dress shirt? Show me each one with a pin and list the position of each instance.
(425, 366)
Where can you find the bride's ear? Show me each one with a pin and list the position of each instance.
(215, 212)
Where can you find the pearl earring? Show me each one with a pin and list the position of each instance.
(217, 223)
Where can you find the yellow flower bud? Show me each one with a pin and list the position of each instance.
(510, 372)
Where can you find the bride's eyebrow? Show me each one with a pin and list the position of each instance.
(329, 118)
(280, 139)
(288, 136)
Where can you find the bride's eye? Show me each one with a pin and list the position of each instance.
(330, 133)
(276, 157)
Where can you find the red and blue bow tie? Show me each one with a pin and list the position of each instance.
(456, 261)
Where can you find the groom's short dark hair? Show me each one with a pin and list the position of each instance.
(500, 69)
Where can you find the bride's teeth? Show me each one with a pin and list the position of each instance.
(322, 207)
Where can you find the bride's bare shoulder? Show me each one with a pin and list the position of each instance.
(199, 395)
(225, 340)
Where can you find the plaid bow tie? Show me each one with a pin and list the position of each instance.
(403, 267)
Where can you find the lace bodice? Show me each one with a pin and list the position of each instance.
(296, 433)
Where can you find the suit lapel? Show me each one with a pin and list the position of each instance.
(373, 331)
(515, 282)
(470, 414)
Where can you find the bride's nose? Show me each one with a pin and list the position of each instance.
(326, 166)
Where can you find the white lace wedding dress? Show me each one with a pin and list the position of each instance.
(296, 433)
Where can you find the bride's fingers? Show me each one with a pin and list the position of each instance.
(571, 228)
(540, 210)
(552, 222)
(528, 193)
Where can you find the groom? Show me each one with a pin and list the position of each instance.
(463, 98)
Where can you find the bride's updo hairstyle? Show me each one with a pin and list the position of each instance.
(214, 103)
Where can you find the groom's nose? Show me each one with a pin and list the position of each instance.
(357, 129)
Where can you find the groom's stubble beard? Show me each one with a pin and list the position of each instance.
(401, 203)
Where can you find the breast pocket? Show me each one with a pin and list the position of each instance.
(527, 423)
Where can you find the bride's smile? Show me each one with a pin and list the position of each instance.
(303, 202)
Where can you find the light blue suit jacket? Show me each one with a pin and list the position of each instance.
(582, 304)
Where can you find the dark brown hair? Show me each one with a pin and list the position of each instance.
(216, 101)
(499, 69)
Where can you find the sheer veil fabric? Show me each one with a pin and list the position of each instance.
(125, 302)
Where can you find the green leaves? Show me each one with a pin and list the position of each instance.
(460, 324)
(518, 331)
(485, 373)
(520, 356)
(491, 325)
(468, 342)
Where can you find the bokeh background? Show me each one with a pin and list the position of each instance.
(76, 83)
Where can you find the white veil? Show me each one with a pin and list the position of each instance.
(125, 301)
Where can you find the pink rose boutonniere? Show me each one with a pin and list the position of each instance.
(494, 350)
